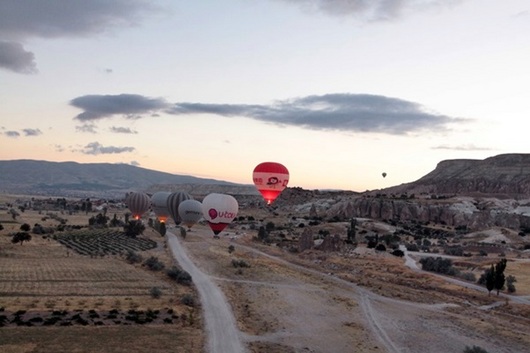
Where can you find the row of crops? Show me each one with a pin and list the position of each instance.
(91, 317)
(106, 241)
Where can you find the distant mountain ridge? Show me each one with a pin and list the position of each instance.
(501, 176)
(35, 177)
(504, 175)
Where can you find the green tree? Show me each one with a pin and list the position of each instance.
(21, 237)
(115, 222)
(162, 229)
(490, 279)
(262, 234)
(510, 280)
(25, 227)
(500, 278)
(99, 220)
(133, 228)
(350, 237)
(14, 213)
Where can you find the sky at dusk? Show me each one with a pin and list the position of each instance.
(338, 91)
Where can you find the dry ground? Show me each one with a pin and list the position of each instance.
(41, 276)
(354, 301)
(358, 301)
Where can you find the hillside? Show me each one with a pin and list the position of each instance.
(72, 179)
(501, 176)
(505, 175)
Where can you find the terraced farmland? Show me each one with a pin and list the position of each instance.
(108, 241)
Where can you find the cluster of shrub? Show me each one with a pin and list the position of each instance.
(492, 278)
(154, 264)
(90, 317)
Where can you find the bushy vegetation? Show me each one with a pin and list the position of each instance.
(474, 349)
(105, 241)
(93, 317)
(155, 292)
(438, 265)
(398, 253)
(187, 299)
(133, 257)
(180, 276)
(454, 251)
(133, 229)
(240, 263)
(20, 237)
(154, 264)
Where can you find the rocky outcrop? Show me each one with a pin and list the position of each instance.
(475, 214)
(305, 241)
(505, 175)
(331, 243)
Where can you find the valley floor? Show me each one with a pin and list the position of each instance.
(361, 302)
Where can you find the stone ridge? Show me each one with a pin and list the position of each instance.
(506, 175)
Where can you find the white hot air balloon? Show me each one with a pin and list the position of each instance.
(159, 205)
(219, 210)
(190, 212)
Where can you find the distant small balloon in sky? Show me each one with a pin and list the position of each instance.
(384, 175)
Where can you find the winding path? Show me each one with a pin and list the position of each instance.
(222, 333)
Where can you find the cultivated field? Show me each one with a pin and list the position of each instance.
(55, 298)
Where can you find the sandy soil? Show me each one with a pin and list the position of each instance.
(356, 302)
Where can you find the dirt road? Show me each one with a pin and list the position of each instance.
(283, 306)
(223, 335)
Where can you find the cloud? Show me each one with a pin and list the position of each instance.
(131, 106)
(96, 148)
(122, 130)
(337, 112)
(52, 19)
(340, 112)
(469, 147)
(32, 132)
(13, 57)
(23, 19)
(12, 133)
(369, 10)
(90, 128)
